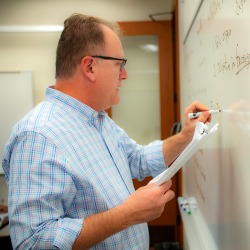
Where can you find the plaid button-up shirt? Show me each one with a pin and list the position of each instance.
(63, 162)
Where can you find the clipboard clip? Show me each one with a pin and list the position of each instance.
(201, 129)
(205, 131)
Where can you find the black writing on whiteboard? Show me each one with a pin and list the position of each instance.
(242, 60)
(214, 8)
(199, 169)
(199, 186)
(220, 39)
(224, 65)
(236, 63)
(240, 6)
(199, 174)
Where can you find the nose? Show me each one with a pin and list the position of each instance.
(124, 74)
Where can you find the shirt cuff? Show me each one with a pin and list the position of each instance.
(155, 158)
(67, 232)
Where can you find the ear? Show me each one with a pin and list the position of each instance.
(87, 67)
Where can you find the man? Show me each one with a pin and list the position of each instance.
(70, 167)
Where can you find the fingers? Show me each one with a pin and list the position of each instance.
(164, 190)
(167, 193)
(200, 106)
(166, 185)
(196, 106)
(205, 117)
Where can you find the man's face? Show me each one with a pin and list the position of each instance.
(110, 75)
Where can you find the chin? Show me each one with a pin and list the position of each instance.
(116, 100)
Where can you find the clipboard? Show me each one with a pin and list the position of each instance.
(201, 134)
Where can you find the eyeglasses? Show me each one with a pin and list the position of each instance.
(113, 58)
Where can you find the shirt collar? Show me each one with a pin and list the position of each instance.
(87, 112)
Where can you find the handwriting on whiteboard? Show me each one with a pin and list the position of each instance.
(236, 63)
(240, 6)
(216, 6)
(220, 39)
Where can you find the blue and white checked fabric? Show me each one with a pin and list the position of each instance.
(63, 162)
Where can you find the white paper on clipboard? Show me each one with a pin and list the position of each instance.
(201, 134)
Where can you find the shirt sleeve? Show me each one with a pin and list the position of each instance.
(41, 190)
(143, 160)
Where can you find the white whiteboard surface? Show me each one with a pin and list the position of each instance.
(215, 69)
(16, 100)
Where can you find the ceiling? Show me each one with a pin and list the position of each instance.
(129, 10)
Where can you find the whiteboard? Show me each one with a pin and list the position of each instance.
(215, 69)
(191, 7)
(16, 100)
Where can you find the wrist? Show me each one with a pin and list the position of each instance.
(125, 215)
(186, 134)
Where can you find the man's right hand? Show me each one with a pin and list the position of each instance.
(147, 203)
